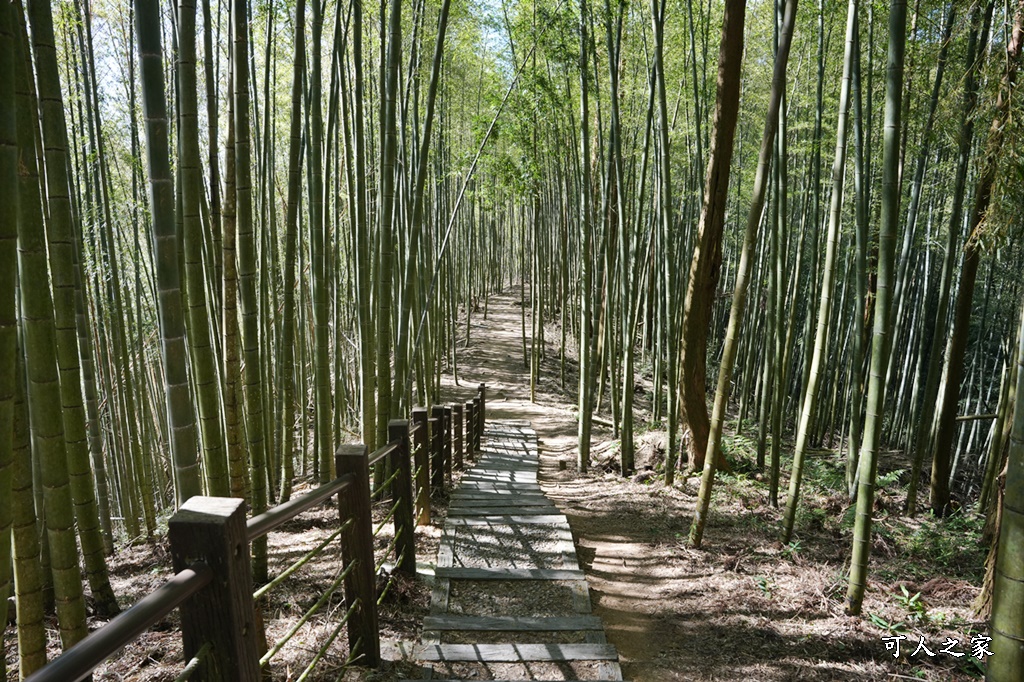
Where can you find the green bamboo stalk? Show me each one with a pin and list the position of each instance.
(47, 423)
(201, 352)
(821, 332)
(880, 335)
(8, 271)
(1007, 620)
(28, 569)
(62, 245)
(184, 452)
(586, 275)
(291, 234)
(248, 302)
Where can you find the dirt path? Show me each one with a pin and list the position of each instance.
(742, 608)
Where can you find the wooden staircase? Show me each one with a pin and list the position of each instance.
(509, 600)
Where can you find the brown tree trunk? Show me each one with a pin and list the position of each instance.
(705, 268)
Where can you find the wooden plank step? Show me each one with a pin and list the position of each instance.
(502, 511)
(511, 653)
(512, 623)
(504, 468)
(500, 501)
(496, 495)
(557, 520)
(503, 501)
(518, 479)
(500, 486)
(462, 573)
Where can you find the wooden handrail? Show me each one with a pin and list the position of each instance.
(78, 662)
(382, 452)
(259, 526)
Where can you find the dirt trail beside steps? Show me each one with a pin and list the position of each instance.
(742, 608)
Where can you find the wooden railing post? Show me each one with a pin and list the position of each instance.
(470, 429)
(457, 434)
(478, 423)
(401, 494)
(483, 407)
(212, 530)
(447, 412)
(357, 545)
(436, 448)
(420, 440)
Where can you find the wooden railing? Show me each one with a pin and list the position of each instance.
(210, 542)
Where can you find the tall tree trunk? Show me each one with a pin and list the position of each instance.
(821, 332)
(246, 245)
(586, 385)
(934, 321)
(1007, 620)
(203, 359)
(44, 394)
(746, 256)
(705, 268)
(958, 337)
(880, 334)
(184, 453)
(8, 276)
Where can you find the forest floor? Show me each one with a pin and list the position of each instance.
(744, 607)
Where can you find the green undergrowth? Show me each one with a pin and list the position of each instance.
(915, 549)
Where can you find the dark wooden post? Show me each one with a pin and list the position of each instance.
(212, 530)
(470, 428)
(357, 545)
(436, 422)
(483, 407)
(457, 434)
(401, 494)
(478, 419)
(447, 413)
(421, 457)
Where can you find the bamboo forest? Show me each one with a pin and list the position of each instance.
(641, 340)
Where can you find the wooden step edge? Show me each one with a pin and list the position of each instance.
(513, 623)
(462, 573)
(556, 521)
(515, 653)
